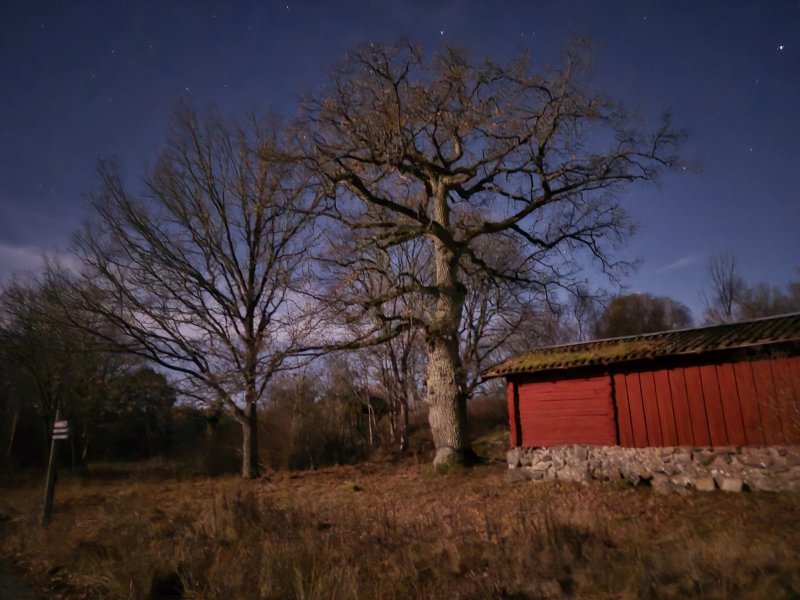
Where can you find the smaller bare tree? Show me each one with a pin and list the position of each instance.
(200, 272)
(724, 290)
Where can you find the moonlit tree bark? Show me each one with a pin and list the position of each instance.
(199, 271)
(463, 154)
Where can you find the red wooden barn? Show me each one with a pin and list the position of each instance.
(726, 385)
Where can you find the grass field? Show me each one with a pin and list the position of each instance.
(393, 529)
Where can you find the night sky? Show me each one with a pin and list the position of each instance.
(80, 81)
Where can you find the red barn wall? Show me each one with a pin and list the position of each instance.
(745, 403)
(552, 413)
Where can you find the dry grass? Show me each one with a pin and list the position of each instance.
(395, 530)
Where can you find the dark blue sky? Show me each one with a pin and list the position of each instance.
(84, 80)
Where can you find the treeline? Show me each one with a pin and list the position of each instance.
(323, 415)
(341, 408)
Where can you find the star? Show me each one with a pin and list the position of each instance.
(781, 47)
(441, 32)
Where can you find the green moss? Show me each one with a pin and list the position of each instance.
(588, 354)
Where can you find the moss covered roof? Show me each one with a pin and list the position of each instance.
(759, 332)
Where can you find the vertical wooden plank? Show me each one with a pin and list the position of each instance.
(512, 421)
(666, 414)
(782, 379)
(515, 437)
(697, 407)
(729, 394)
(713, 402)
(794, 400)
(651, 413)
(623, 412)
(638, 423)
(765, 393)
(680, 406)
(612, 428)
(748, 400)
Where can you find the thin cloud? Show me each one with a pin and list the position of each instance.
(19, 259)
(681, 263)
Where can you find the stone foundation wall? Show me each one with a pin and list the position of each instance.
(665, 469)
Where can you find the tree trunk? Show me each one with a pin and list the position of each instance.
(403, 426)
(447, 414)
(12, 434)
(249, 424)
(447, 407)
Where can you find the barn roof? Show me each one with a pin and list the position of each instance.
(730, 336)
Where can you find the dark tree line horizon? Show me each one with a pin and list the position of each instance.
(426, 216)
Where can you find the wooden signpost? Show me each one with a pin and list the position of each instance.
(60, 432)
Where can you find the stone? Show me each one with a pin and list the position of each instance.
(576, 473)
(755, 457)
(661, 484)
(731, 484)
(683, 480)
(669, 469)
(723, 459)
(792, 485)
(760, 481)
(705, 457)
(513, 457)
(704, 483)
(607, 474)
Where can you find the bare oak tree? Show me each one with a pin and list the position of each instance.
(199, 272)
(462, 155)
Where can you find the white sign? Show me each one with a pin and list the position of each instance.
(61, 430)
